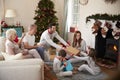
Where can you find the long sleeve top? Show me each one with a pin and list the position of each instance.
(93, 66)
(57, 67)
(82, 47)
(47, 39)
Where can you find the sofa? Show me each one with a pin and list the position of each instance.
(25, 69)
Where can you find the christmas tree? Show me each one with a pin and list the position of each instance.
(44, 15)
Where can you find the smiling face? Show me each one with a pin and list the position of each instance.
(13, 36)
(52, 29)
(78, 36)
(32, 29)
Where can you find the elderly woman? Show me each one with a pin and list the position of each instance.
(12, 48)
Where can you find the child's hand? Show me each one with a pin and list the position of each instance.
(65, 63)
(64, 59)
(71, 54)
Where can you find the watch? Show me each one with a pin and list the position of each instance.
(83, 2)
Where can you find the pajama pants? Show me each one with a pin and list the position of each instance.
(65, 73)
(85, 67)
(75, 59)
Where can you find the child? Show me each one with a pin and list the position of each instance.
(91, 67)
(57, 64)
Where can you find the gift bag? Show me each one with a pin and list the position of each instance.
(68, 67)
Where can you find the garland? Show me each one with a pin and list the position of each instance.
(104, 17)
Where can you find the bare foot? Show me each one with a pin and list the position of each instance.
(75, 72)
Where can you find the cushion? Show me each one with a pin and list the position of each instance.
(2, 42)
(11, 57)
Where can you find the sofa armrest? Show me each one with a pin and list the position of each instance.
(31, 72)
(28, 69)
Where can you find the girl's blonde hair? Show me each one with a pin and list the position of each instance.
(10, 32)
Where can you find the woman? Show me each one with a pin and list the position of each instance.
(13, 50)
(80, 44)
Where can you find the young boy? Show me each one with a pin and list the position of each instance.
(60, 63)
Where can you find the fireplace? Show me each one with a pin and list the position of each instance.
(112, 49)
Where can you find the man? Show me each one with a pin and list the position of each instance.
(47, 38)
(29, 40)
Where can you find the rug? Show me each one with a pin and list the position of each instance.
(82, 75)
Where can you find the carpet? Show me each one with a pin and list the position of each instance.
(82, 75)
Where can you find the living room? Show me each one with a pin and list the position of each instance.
(68, 20)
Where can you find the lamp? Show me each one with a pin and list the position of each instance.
(10, 14)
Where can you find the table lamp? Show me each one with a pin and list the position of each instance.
(10, 13)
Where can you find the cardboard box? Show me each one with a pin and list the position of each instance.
(71, 50)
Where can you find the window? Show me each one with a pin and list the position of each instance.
(75, 12)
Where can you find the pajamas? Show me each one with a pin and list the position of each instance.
(91, 67)
(58, 69)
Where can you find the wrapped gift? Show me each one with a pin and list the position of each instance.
(72, 50)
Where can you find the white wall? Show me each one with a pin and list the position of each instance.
(93, 7)
(25, 13)
(59, 7)
(25, 10)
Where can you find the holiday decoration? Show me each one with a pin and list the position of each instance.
(103, 17)
(110, 1)
(44, 15)
(3, 24)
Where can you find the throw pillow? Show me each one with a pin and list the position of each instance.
(12, 57)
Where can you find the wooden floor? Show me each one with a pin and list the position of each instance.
(110, 72)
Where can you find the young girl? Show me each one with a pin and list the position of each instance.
(57, 64)
(91, 67)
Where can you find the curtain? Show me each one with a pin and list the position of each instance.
(2, 12)
(2, 9)
(67, 17)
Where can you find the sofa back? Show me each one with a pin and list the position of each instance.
(2, 44)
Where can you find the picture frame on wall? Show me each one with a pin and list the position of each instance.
(19, 30)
